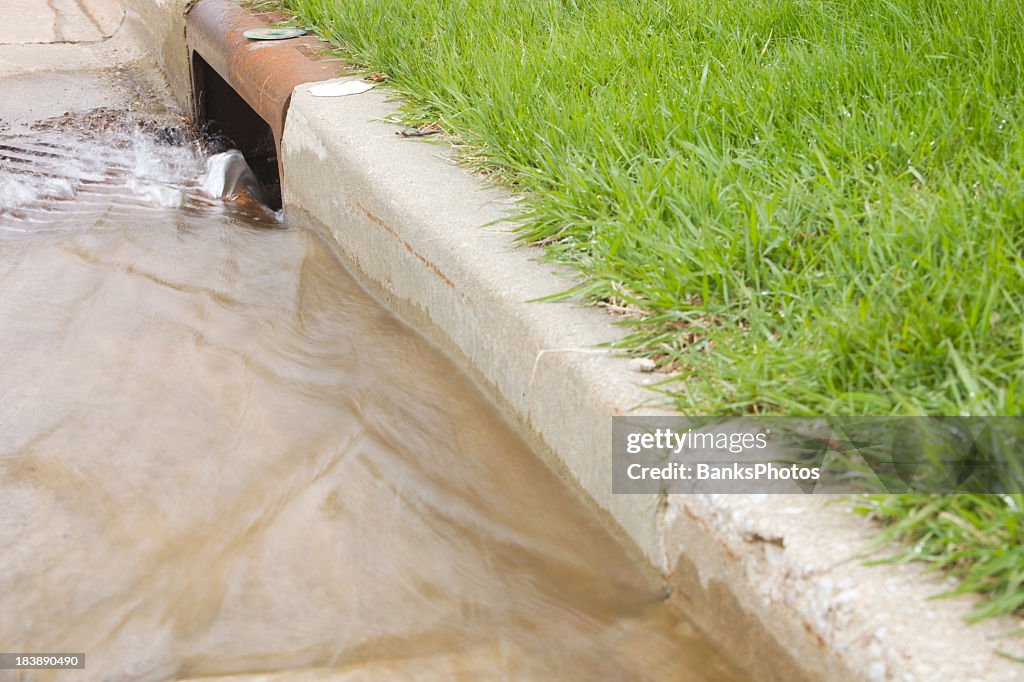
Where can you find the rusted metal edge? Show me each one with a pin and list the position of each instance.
(263, 73)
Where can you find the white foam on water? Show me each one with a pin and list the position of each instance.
(16, 192)
(57, 166)
(41, 170)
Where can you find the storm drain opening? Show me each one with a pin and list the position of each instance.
(224, 115)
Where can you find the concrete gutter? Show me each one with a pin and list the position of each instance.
(775, 578)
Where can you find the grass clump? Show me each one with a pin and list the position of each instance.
(976, 538)
(807, 206)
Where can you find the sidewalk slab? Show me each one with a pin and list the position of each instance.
(28, 22)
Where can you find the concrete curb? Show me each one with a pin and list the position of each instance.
(794, 564)
(772, 578)
(159, 27)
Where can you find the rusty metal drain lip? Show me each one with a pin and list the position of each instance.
(263, 73)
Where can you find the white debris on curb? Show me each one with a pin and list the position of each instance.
(339, 88)
(642, 365)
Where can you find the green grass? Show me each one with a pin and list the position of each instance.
(977, 538)
(818, 206)
(803, 206)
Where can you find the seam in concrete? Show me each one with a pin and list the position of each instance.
(89, 15)
(55, 26)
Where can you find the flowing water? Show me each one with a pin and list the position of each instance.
(219, 456)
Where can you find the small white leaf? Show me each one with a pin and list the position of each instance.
(642, 365)
(337, 89)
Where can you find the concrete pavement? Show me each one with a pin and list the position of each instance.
(27, 22)
(72, 56)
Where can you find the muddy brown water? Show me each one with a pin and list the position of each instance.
(219, 456)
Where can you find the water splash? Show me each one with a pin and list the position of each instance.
(54, 166)
(66, 181)
(106, 158)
